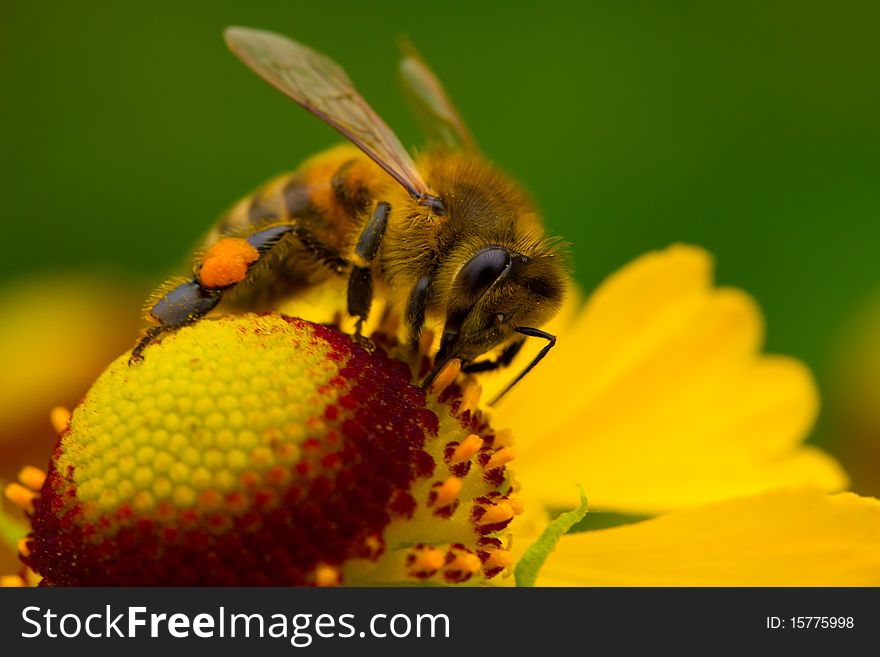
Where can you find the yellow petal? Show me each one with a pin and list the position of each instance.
(658, 398)
(784, 538)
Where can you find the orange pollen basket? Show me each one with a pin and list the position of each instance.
(226, 262)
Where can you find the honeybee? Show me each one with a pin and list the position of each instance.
(447, 236)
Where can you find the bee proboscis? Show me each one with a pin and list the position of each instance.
(445, 236)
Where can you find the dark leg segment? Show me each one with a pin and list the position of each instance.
(183, 305)
(360, 294)
(371, 237)
(360, 284)
(415, 310)
(264, 240)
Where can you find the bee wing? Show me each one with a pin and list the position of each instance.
(435, 110)
(321, 86)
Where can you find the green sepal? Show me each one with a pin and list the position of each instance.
(526, 571)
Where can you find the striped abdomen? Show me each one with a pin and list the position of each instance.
(328, 197)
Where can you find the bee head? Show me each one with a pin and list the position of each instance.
(496, 291)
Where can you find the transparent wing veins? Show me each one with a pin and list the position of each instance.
(433, 106)
(321, 86)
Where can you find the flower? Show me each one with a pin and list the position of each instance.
(255, 450)
(657, 401)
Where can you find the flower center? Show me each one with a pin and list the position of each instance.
(256, 450)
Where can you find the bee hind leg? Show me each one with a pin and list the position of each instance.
(224, 265)
(360, 281)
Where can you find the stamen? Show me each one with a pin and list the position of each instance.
(373, 547)
(30, 577)
(498, 559)
(327, 576)
(20, 496)
(425, 561)
(518, 507)
(470, 396)
(32, 477)
(446, 376)
(11, 581)
(59, 417)
(501, 512)
(468, 447)
(467, 563)
(500, 457)
(448, 492)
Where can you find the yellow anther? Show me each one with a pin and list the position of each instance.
(373, 545)
(59, 417)
(31, 578)
(517, 505)
(446, 376)
(11, 581)
(468, 447)
(467, 563)
(20, 496)
(448, 491)
(327, 576)
(503, 438)
(32, 477)
(470, 396)
(427, 561)
(22, 547)
(498, 559)
(500, 457)
(501, 512)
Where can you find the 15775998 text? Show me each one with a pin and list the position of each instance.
(810, 622)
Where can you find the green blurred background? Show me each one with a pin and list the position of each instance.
(751, 128)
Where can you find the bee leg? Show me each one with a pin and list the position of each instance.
(360, 282)
(221, 268)
(504, 359)
(416, 306)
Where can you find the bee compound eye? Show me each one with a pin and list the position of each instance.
(499, 318)
(484, 268)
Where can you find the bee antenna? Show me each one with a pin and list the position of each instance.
(531, 333)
